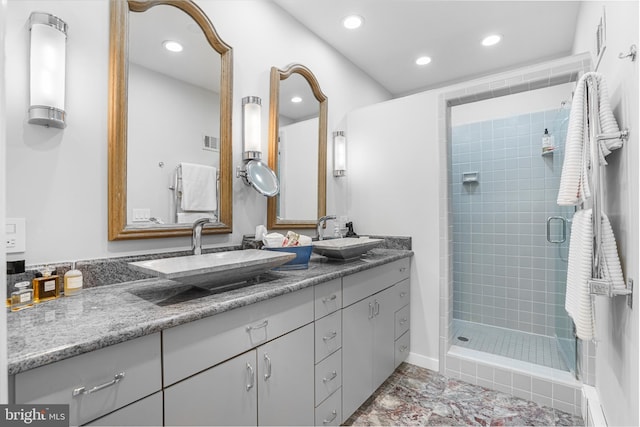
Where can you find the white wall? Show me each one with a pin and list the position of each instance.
(57, 179)
(616, 324)
(3, 289)
(393, 172)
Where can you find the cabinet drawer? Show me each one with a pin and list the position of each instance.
(402, 348)
(401, 292)
(328, 332)
(95, 373)
(329, 413)
(196, 346)
(402, 321)
(328, 376)
(328, 297)
(360, 285)
(145, 412)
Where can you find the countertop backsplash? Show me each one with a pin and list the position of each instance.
(108, 271)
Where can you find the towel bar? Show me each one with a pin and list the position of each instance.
(605, 288)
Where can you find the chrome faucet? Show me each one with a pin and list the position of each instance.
(321, 221)
(196, 236)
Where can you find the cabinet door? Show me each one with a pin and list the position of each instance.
(285, 379)
(357, 356)
(383, 335)
(223, 395)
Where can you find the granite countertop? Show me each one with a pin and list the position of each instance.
(106, 315)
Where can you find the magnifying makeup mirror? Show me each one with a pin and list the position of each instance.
(260, 177)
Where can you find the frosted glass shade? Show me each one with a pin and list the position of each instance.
(47, 70)
(339, 154)
(251, 111)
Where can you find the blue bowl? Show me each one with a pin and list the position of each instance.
(300, 262)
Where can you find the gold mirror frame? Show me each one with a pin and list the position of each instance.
(117, 121)
(278, 75)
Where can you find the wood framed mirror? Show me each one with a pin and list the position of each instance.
(183, 123)
(297, 148)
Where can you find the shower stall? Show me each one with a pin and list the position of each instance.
(509, 237)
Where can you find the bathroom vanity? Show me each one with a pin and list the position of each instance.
(303, 347)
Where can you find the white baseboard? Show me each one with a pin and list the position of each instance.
(423, 361)
(591, 408)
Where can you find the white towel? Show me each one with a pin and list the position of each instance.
(578, 299)
(191, 217)
(574, 185)
(199, 191)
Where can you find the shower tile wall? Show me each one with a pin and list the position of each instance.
(505, 273)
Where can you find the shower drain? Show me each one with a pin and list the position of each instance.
(465, 339)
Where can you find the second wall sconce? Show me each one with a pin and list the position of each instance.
(254, 172)
(47, 60)
(339, 153)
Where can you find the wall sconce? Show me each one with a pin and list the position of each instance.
(47, 68)
(339, 153)
(251, 111)
(253, 172)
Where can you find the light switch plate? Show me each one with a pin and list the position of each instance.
(15, 235)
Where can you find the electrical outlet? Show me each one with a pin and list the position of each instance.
(141, 215)
(15, 235)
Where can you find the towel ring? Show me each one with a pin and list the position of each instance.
(632, 53)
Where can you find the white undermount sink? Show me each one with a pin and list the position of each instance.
(214, 269)
(345, 249)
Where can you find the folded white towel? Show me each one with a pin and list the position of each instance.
(199, 192)
(578, 299)
(574, 185)
(191, 217)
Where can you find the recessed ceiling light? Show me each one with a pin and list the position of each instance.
(352, 22)
(423, 60)
(172, 46)
(491, 40)
(296, 99)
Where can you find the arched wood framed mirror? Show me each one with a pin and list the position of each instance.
(297, 148)
(167, 115)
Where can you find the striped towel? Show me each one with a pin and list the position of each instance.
(574, 185)
(578, 300)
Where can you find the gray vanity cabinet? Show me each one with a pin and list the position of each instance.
(270, 385)
(369, 330)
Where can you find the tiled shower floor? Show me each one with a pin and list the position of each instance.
(538, 349)
(415, 396)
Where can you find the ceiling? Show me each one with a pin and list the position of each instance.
(396, 32)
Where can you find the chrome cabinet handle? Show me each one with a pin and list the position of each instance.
(331, 336)
(403, 348)
(268, 360)
(260, 326)
(331, 298)
(333, 376)
(403, 269)
(564, 229)
(376, 308)
(334, 413)
(403, 320)
(252, 377)
(82, 390)
(403, 294)
(371, 315)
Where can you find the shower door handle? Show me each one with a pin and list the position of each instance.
(563, 220)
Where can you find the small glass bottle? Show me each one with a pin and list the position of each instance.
(22, 297)
(46, 287)
(72, 281)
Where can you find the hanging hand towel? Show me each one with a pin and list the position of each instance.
(199, 191)
(574, 185)
(578, 299)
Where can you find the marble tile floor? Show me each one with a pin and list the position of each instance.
(415, 396)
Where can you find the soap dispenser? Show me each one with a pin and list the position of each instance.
(547, 142)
